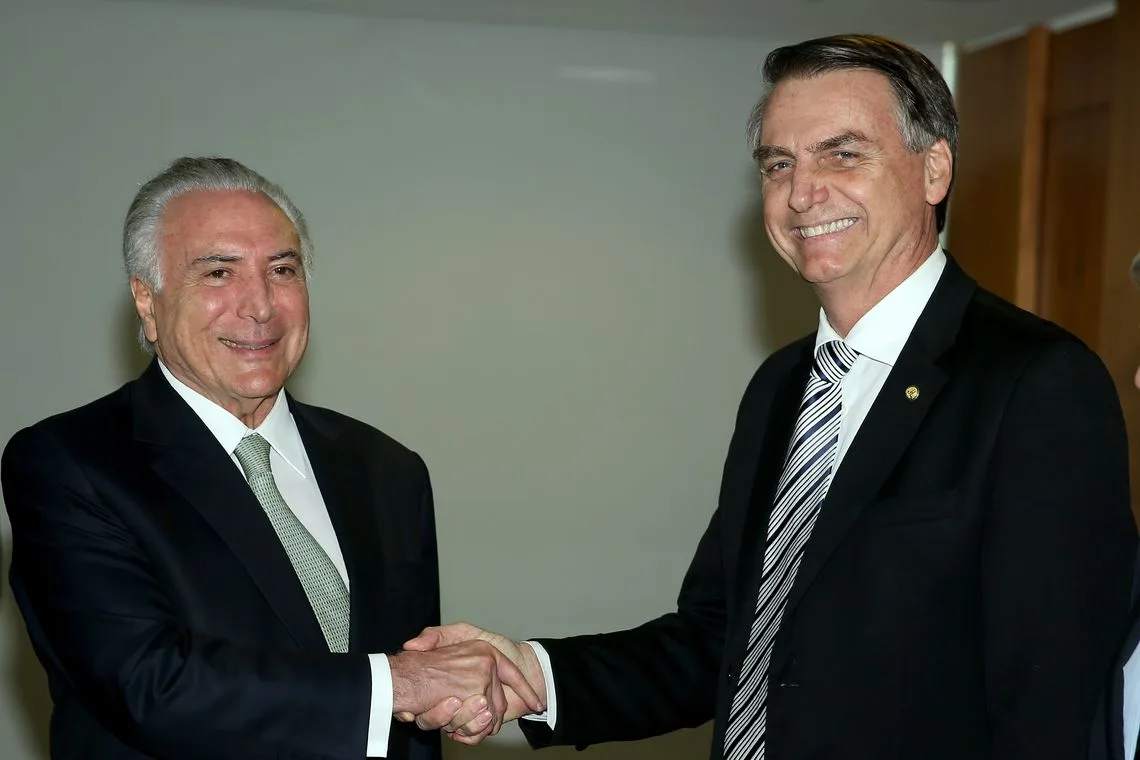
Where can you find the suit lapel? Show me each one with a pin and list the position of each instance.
(778, 427)
(340, 476)
(886, 433)
(184, 453)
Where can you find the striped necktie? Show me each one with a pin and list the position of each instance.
(319, 577)
(802, 487)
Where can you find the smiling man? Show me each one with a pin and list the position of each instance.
(923, 544)
(207, 567)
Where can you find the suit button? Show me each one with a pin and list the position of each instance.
(730, 678)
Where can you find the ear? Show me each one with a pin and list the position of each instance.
(939, 167)
(144, 307)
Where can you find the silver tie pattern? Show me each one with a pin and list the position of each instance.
(803, 484)
(318, 575)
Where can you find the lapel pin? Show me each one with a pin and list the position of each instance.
(912, 392)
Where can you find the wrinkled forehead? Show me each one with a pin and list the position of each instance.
(201, 215)
(238, 225)
(800, 111)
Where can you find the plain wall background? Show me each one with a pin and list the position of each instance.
(537, 265)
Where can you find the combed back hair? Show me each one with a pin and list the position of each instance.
(925, 107)
(141, 254)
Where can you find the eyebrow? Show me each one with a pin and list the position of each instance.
(766, 152)
(222, 258)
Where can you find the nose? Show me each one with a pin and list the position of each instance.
(807, 189)
(256, 301)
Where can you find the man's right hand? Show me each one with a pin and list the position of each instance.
(467, 724)
(428, 679)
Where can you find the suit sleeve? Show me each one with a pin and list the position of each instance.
(1058, 547)
(95, 610)
(647, 680)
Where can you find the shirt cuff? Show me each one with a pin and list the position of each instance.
(551, 714)
(380, 712)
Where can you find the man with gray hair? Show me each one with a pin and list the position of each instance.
(209, 568)
(923, 544)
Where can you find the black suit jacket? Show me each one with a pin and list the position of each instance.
(164, 608)
(965, 582)
(1107, 740)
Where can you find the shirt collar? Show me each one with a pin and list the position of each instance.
(884, 330)
(278, 428)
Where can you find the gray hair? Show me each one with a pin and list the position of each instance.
(925, 107)
(141, 255)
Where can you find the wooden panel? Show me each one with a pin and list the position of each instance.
(1076, 178)
(1080, 60)
(1120, 303)
(994, 223)
(1027, 280)
(1072, 237)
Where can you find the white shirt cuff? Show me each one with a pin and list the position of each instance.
(551, 714)
(380, 712)
(1131, 702)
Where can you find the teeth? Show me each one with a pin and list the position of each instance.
(246, 346)
(823, 229)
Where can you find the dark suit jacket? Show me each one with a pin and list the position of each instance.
(1107, 740)
(963, 587)
(164, 608)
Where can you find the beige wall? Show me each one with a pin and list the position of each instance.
(530, 270)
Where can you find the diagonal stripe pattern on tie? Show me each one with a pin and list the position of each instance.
(802, 487)
(319, 577)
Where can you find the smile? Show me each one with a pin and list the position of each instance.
(824, 229)
(247, 346)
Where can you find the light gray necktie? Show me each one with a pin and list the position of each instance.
(318, 575)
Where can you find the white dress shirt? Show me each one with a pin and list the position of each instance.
(294, 477)
(1131, 702)
(879, 338)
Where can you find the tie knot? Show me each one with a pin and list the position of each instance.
(253, 455)
(833, 360)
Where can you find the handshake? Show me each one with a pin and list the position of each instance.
(465, 681)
